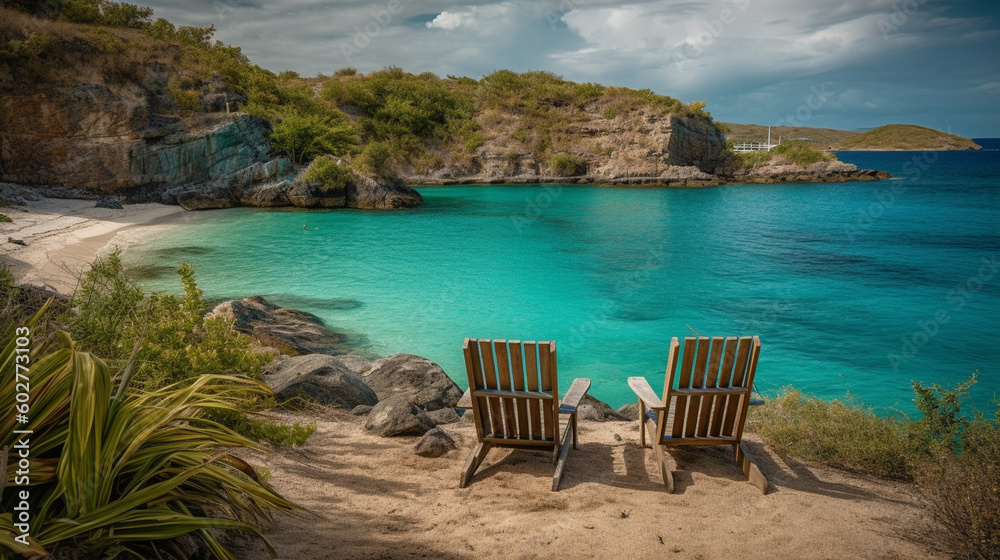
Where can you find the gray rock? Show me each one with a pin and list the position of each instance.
(281, 327)
(629, 411)
(415, 379)
(383, 194)
(17, 241)
(444, 416)
(596, 411)
(355, 363)
(109, 202)
(397, 417)
(435, 443)
(267, 195)
(361, 409)
(320, 378)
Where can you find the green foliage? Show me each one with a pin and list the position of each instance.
(332, 175)
(801, 152)
(834, 433)
(752, 159)
(942, 423)
(122, 472)
(5, 218)
(376, 158)
(187, 99)
(567, 165)
(303, 137)
(34, 46)
(106, 12)
(160, 338)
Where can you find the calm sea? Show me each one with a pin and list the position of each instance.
(854, 288)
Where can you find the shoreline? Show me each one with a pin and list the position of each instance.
(63, 236)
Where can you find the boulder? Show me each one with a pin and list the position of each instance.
(109, 202)
(398, 417)
(281, 327)
(629, 411)
(444, 416)
(355, 363)
(383, 194)
(596, 411)
(415, 379)
(361, 409)
(435, 443)
(320, 378)
(267, 195)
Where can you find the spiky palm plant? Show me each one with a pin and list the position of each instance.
(124, 472)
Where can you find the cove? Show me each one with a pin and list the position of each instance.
(850, 292)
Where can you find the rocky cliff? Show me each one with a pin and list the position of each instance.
(109, 139)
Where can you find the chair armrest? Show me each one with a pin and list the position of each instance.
(573, 397)
(466, 400)
(641, 388)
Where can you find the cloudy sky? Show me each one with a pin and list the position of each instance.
(830, 63)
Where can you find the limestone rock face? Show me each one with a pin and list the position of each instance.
(320, 378)
(282, 327)
(414, 379)
(369, 194)
(109, 138)
(398, 417)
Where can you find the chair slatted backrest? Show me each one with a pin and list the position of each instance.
(515, 391)
(713, 388)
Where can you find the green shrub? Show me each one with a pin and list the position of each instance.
(5, 218)
(187, 99)
(303, 137)
(376, 158)
(801, 152)
(332, 175)
(119, 472)
(567, 165)
(834, 433)
(34, 46)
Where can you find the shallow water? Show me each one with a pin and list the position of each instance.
(853, 288)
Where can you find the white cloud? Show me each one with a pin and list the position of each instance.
(473, 16)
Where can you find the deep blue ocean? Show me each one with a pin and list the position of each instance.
(854, 288)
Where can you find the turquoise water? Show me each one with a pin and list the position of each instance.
(853, 288)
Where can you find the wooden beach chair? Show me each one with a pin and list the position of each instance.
(514, 397)
(709, 404)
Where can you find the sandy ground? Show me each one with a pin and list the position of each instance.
(62, 236)
(370, 497)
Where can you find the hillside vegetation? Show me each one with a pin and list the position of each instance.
(907, 137)
(387, 122)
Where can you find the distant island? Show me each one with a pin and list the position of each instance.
(890, 137)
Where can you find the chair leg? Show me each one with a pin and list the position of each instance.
(642, 422)
(561, 463)
(750, 469)
(475, 459)
(575, 430)
(661, 457)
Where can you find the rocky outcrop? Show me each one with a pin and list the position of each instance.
(398, 417)
(414, 379)
(117, 139)
(320, 378)
(282, 327)
(778, 171)
(596, 411)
